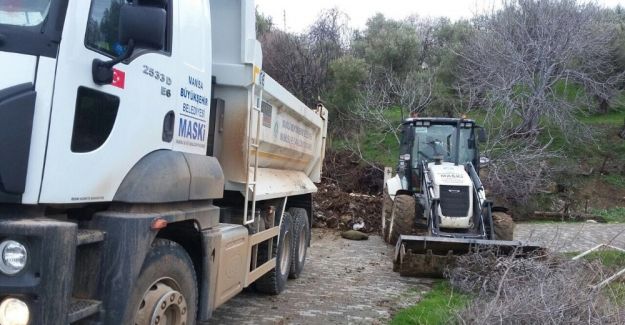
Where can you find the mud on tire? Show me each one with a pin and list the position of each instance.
(387, 209)
(402, 217)
(274, 281)
(503, 226)
(301, 238)
(167, 271)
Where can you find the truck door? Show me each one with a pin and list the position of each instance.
(99, 132)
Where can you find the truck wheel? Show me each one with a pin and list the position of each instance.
(402, 217)
(503, 226)
(301, 237)
(387, 209)
(274, 281)
(166, 290)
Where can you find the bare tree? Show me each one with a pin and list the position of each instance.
(300, 62)
(413, 92)
(529, 60)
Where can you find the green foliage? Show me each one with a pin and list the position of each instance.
(614, 215)
(436, 307)
(389, 43)
(615, 180)
(612, 259)
(346, 75)
(264, 24)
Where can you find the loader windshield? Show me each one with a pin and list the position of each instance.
(23, 12)
(439, 141)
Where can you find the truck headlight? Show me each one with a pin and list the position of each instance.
(13, 257)
(14, 312)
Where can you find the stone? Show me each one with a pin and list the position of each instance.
(354, 235)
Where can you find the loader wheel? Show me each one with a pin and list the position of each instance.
(301, 238)
(402, 217)
(166, 290)
(387, 209)
(503, 226)
(274, 281)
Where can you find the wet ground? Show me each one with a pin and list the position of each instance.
(345, 282)
(349, 282)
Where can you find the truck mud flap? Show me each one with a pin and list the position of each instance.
(427, 256)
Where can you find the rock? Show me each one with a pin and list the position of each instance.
(354, 235)
(346, 219)
(332, 222)
(591, 221)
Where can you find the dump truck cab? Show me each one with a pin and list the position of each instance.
(142, 146)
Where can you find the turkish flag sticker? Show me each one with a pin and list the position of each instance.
(119, 79)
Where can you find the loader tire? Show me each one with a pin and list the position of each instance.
(503, 226)
(387, 209)
(274, 282)
(402, 217)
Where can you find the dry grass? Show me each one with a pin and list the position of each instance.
(537, 290)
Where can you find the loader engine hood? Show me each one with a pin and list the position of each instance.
(453, 186)
(17, 106)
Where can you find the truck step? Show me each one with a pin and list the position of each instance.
(89, 236)
(83, 308)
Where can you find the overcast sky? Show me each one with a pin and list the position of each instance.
(301, 13)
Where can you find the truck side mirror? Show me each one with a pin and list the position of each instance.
(481, 135)
(138, 25)
(146, 26)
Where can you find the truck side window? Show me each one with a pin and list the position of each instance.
(94, 119)
(102, 33)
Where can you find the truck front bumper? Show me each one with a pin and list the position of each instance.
(45, 283)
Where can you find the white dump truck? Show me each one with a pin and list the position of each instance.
(149, 169)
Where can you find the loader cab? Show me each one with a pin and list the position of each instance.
(439, 140)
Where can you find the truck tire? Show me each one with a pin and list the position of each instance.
(387, 209)
(301, 238)
(503, 226)
(274, 281)
(166, 290)
(402, 217)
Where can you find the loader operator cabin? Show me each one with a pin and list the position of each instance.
(149, 169)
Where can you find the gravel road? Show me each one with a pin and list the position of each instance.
(344, 282)
(349, 282)
(572, 237)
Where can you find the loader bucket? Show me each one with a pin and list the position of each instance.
(426, 256)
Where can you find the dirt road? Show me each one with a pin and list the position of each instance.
(345, 282)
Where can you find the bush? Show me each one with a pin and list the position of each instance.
(535, 290)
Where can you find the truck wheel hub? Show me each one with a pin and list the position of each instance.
(162, 305)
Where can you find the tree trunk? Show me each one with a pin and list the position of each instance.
(604, 106)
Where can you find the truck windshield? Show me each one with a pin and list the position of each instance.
(440, 140)
(23, 12)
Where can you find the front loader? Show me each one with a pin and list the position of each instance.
(435, 207)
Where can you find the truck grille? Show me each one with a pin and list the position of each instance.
(455, 200)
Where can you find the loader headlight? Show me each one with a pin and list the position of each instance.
(13, 257)
(14, 312)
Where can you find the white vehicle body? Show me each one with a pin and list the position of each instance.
(454, 188)
(190, 132)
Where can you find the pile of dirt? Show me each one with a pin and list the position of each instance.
(349, 195)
